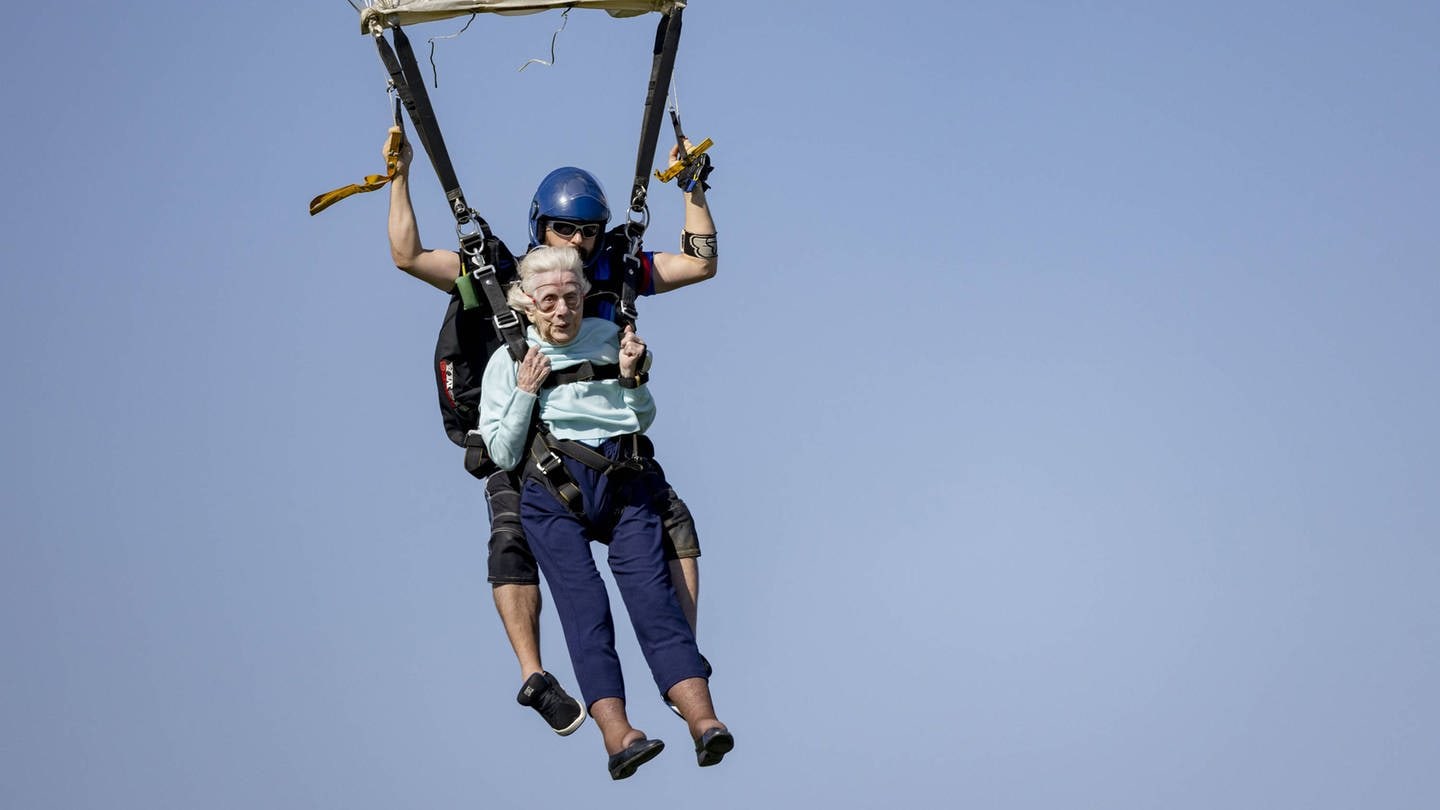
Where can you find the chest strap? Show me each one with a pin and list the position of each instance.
(584, 372)
(588, 372)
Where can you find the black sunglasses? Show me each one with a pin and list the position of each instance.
(565, 230)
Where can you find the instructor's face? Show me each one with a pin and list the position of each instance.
(576, 239)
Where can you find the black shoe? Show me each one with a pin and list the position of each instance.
(712, 747)
(625, 763)
(709, 670)
(544, 694)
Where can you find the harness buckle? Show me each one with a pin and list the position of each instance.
(506, 320)
(632, 460)
(549, 463)
(483, 268)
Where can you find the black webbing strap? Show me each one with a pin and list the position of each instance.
(479, 249)
(550, 469)
(585, 372)
(477, 457)
(547, 465)
(409, 84)
(595, 460)
(662, 68)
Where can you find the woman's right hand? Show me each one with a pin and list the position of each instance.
(533, 371)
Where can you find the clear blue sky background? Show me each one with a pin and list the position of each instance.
(1061, 426)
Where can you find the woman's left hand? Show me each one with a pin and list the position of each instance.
(632, 349)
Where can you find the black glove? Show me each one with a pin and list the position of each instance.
(695, 174)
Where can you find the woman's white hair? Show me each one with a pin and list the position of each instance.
(544, 259)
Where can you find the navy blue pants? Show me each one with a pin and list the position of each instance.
(623, 513)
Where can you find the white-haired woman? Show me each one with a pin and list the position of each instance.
(594, 418)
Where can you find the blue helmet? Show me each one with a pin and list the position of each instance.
(567, 193)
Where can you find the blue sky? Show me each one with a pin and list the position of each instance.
(1060, 427)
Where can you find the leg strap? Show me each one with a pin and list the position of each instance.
(547, 463)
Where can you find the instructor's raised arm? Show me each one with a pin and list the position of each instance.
(438, 268)
(698, 259)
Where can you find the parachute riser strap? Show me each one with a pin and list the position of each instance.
(662, 69)
(409, 84)
(477, 251)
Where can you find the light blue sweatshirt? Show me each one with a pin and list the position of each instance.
(584, 411)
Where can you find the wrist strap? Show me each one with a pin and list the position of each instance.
(636, 381)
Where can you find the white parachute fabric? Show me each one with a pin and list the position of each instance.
(407, 12)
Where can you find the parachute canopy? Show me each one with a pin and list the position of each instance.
(408, 12)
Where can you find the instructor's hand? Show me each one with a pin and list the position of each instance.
(406, 153)
(675, 150)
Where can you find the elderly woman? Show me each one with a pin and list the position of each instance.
(584, 481)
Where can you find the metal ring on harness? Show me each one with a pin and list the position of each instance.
(642, 220)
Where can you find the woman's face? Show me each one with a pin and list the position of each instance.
(557, 306)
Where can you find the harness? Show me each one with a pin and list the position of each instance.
(544, 461)
(546, 465)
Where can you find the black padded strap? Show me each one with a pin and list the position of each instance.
(585, 372)
(549, 468)
(477, 457)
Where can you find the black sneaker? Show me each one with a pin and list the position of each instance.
(709, 670)
(544, 694)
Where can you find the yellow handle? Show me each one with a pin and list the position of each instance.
(680, 165)
(372, 181)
